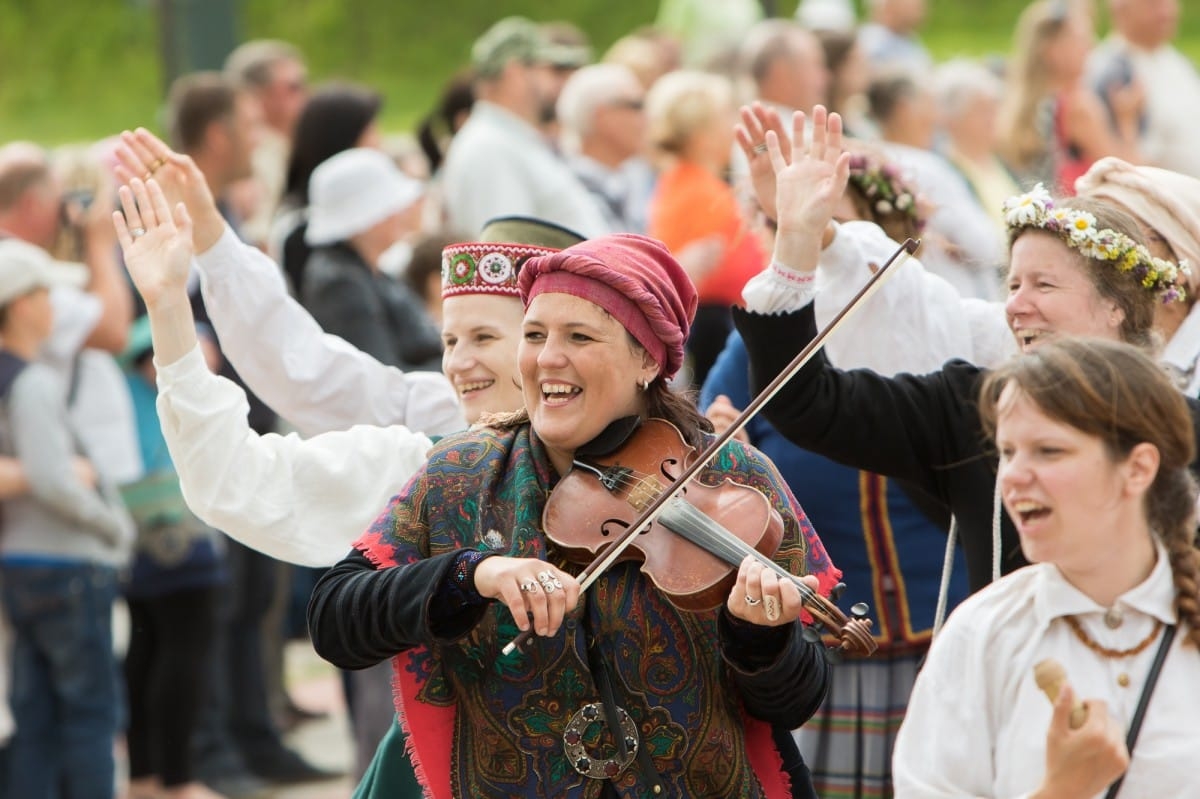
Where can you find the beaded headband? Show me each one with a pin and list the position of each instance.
(486, 267)
(1077, 229)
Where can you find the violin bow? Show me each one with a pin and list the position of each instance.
(614, 550)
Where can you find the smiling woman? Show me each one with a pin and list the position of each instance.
(459, 563)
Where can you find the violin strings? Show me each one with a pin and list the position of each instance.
(727, 546)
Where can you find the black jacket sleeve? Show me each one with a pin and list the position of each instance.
(911, 427)
(782, 678)
(359, 615)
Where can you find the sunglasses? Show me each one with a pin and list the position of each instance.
(632, 105)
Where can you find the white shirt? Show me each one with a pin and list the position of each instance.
(912, 308)
(316, 381)
(500, 165)
(1182, 353)
(304, 501)
(976, 722)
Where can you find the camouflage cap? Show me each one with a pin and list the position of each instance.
(517, 39)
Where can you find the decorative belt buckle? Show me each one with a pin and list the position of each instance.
(577, 755)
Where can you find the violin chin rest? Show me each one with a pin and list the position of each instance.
(610, 439)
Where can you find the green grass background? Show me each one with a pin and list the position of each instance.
(76, 70)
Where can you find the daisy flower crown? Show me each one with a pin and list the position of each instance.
(1077, 229)
(884, 188)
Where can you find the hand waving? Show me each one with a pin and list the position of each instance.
(142, 155)
(751, 134)
(157, 244)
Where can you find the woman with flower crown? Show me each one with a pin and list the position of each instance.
(1075, 269)
(1094, 449)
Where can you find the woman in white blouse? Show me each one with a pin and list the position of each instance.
(1094, 444)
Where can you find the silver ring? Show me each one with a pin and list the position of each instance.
(137, 232)
(751, 600)
(543, 576)
(529, 586)
(550, 586)
(760, 148)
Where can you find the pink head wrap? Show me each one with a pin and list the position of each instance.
(632, 277)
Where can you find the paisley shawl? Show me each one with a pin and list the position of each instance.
(482, 725)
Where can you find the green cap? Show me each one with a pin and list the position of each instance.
(517, 39)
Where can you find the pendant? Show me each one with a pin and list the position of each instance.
(1113, 618)
(1123, 680)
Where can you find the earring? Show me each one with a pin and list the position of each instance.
(643, 383)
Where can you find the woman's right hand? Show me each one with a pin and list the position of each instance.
(1085, 761)
(533, 590)
(156, 242)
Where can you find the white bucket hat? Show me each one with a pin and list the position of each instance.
(23, 268)
(354, 190)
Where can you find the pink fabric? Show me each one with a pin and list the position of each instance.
(632, 277)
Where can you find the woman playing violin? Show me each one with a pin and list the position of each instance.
(460, 562)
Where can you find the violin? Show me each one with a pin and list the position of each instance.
(853, 632)
(692, 551)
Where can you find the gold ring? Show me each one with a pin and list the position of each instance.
(156, 164)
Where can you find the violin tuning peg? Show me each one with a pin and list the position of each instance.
(833, 655)
(859, 610)
(811, 635)
(836, 593)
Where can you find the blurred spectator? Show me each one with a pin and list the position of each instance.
(337, 117)
(89, 324)
(62, 547)
(849, 77)
(827, 16)
(604, 127)
(499, 164)
(1052, 127)
(362, 205)
(274, 72)
(650, 52)
(890, 38)
(570, 50)
(171, 592)
(439, 126)
(691, 118)
(787, 65)
(424, 271)
(968, 95)
(960, 243)
(1140, 48)
(708, 31)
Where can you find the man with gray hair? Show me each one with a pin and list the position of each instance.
(604, 132)
(499, 164)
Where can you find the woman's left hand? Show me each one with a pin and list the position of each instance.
(760, 597)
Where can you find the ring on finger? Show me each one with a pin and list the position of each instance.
(550, 586)
(771, 607)
(761, 147)
(529, 586)
(137, 232)
(752, 600)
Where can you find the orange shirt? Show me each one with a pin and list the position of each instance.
(690, 204)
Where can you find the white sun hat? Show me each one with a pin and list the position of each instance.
(354, 190)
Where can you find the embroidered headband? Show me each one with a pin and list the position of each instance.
(1077, 229)
(486, 267)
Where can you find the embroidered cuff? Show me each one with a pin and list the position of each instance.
(799, 280)
(458, 591)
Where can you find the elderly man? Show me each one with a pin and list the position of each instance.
(604, 131)
(1140, 47)
(499, 164)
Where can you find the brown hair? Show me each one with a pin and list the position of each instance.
(195, 102)
(1119, 287)
(1116, 393)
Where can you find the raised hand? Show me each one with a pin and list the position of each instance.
(157, 242)
(751, 135)
(142, 155)
(808, 189)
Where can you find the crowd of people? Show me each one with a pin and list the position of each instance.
(276, 374)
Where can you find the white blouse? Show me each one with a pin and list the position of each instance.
(976, 722)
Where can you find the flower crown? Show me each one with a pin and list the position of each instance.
(884, 188)
(1078, 230)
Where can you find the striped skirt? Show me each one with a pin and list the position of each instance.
(848, 742)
